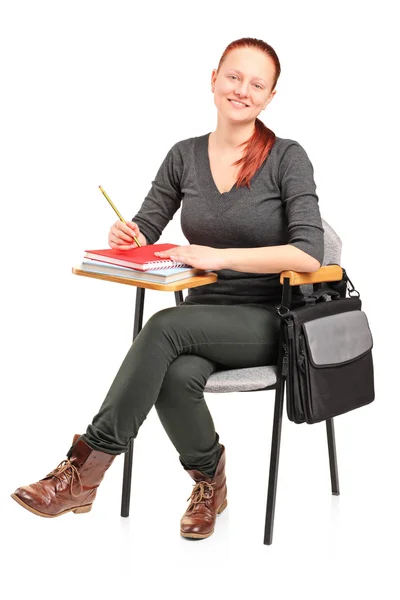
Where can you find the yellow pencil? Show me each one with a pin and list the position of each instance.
(118, 213)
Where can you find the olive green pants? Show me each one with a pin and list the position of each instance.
(167, 366)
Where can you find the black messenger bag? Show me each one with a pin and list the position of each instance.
(327, 356)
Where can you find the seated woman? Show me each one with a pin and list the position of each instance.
(249, 211)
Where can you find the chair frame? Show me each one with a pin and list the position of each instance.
(287, 279)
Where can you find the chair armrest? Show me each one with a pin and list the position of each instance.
(324, 274)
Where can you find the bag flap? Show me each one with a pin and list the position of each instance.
(338, 338)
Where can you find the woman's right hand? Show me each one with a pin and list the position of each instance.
(121, 235)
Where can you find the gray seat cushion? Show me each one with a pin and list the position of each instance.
(241, 380)
(257, 378)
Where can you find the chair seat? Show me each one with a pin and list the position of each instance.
(242, 380)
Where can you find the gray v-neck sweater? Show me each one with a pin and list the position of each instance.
(280, 208)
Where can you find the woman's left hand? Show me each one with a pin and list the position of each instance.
(199, 257)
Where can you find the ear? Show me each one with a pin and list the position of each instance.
(213, 78)
(272, 94)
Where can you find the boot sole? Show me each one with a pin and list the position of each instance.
(201, 536)
(79, 509)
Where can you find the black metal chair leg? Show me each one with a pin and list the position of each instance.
(178, 297)
(126, 481)
(128, 459)
(127, 477)
(274, 461)
(277, 427)
(330, 430)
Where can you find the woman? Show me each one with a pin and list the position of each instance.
(249, 211)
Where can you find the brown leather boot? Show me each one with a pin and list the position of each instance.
(208, 498)
(70, 486)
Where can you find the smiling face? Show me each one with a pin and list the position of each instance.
(246, 75)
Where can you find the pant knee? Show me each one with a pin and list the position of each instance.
(185, 378)
(184, 373)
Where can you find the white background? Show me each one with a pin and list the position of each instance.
(96, 93)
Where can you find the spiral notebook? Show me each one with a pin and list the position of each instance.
(141, 258)
(158, 276)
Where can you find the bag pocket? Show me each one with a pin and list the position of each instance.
(338, 366)
(294, 404)
(304, 380)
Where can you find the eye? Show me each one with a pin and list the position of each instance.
(257, 84)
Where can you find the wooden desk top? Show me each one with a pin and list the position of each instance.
(175, 286)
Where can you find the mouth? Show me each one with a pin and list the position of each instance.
(237, 103)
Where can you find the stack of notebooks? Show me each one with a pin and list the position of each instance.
(138, 263)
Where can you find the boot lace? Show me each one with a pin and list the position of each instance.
(70, 472)
(201, 492)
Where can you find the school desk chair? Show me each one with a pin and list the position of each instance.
(256, 379)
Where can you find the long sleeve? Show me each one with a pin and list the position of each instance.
(298, 189)
(163, 199)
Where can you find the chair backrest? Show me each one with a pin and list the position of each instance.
(332, 252)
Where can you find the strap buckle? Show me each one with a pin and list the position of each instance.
(350, 287)
(280, 308)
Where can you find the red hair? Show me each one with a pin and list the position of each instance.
(259, 145)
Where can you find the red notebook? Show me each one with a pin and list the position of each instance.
(142, 258)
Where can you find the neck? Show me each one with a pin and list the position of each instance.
(228, 136)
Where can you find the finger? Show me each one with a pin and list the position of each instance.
(174, 251)
(116, 246)
(122, 237)
(123, 246)
(170, 256)
(131, 225)
(127, 228)
(132, 229)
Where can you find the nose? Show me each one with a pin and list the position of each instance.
(242, 90)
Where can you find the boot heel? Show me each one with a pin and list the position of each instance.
(82, 509)
(223, 506)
